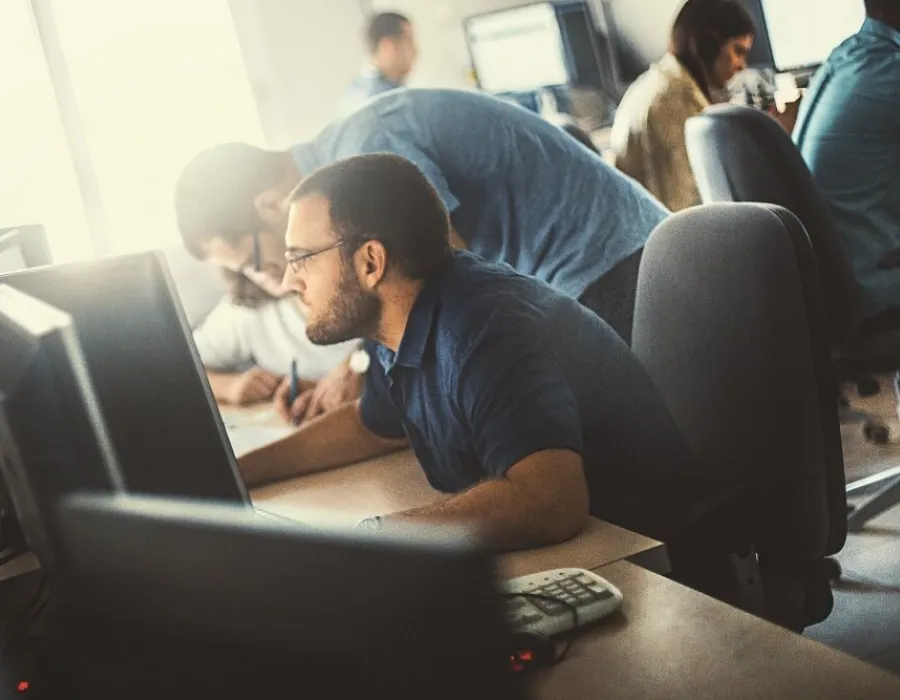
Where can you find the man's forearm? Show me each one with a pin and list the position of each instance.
(336, 439)
(221, 383)
(503, 516)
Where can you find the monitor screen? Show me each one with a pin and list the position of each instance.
(798, 41)
(166, 430)
(518, 50)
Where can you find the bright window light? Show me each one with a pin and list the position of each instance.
(154, 83)
(37, 177)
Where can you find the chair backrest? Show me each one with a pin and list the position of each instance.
(740, 154)
(729, 323)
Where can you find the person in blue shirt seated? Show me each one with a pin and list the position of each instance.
(392, 55)
(848, 131)
(523, 406)
(519, 190)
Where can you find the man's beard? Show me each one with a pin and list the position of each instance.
(352, 313)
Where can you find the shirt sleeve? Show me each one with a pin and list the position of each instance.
(221, 339)
(516, 401)
(377, 411)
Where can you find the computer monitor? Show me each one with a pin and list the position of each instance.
(52, 438)
(518, 50)
(166, 431)
(804, 32)
(215, 603)
(22, 247)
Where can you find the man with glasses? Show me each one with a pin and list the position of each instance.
(520, 404)
(519, 190)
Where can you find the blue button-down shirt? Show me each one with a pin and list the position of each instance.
(520, 190)
(368, 84)
(848, 131)
(494, 366)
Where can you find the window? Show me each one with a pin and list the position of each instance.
(37, 176)
(154, 82)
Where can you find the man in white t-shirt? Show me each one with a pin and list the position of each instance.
(248, 352)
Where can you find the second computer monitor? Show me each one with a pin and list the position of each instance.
(218, 604)
(53, 441)
(23, 247)
(166, 431)
(804, 32)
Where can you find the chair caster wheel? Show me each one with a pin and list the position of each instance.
(878, 434)
(868, 386)
(833, 570)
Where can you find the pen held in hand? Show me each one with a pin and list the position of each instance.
(295, 384)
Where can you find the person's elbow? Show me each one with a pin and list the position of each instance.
(567, 515)
(559, 497)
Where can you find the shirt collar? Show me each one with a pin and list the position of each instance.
(876, 27)
(370, 72)
(419, 326)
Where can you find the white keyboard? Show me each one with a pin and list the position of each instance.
(592, 597)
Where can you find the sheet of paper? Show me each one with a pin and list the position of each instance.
(242, 418)
(250, 437)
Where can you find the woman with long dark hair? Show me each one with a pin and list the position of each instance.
(709, 44)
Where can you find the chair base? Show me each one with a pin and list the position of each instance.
(886, 497)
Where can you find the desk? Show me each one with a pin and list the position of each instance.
(396, 482)
(671, 642)
(667, 642)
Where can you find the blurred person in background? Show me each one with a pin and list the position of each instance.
(709, 44)
(848, 132)
(392, 55)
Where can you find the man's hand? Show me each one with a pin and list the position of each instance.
(250, 387)
(336, 439)
(335, 389)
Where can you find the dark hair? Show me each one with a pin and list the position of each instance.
(881, 7)
(383, 26)
(214, 194)
(701, 29)
(386, 198)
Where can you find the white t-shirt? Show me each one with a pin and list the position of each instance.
(235, 338)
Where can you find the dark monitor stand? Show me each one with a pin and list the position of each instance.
(216, 603)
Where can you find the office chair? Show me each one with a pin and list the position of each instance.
(729, 322)
(739, 154)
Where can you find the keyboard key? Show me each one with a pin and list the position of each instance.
(602, 592)
(550, 608)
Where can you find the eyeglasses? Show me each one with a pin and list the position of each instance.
(298, 262)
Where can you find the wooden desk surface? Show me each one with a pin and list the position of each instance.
(671, 642)
(396, 482)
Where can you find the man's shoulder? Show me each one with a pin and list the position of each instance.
(481, 301)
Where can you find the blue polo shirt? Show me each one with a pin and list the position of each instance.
(848, 131)
(519, 190)
(495, 366)
(364, 87)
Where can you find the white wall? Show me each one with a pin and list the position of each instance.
(301, 55)
(443, 57)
